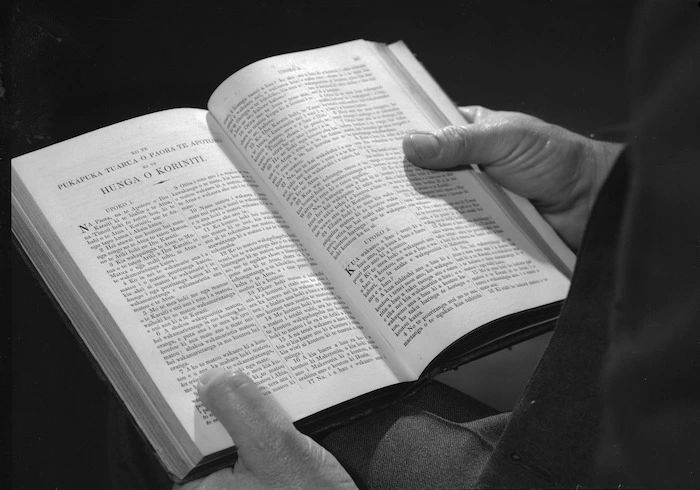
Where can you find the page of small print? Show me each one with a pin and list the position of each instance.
(319, 262)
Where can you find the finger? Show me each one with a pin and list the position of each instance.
(453, 146)
(261, 430)
(475, 113)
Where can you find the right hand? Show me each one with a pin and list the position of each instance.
(560, 172)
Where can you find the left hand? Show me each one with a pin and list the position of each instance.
(271, 452)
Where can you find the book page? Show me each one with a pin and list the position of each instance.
(197, 268)
(424, 256)
(444, 112)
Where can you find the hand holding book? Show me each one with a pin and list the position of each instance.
(283, 234)
(272, 453)
(560, 172)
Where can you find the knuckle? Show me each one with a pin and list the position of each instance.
(503, 127)
(480, 111)
(455, 140)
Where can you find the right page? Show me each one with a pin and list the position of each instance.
(423, 257)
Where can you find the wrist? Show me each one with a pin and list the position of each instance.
(595, 160)
(600, 160)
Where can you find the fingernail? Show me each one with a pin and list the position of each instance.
(211, 374)
(426, 145)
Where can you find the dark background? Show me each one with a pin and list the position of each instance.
(72, 68)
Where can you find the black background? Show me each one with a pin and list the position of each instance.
(71, 68)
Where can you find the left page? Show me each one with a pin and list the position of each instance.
(159, 233)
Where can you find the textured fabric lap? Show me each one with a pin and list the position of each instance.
(437, 438)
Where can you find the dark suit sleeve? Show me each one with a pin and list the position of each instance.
(652, 373)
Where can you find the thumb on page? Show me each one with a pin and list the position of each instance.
(259, 427)
(453, 146)
(271, 452)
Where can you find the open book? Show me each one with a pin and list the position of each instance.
(282, 233)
